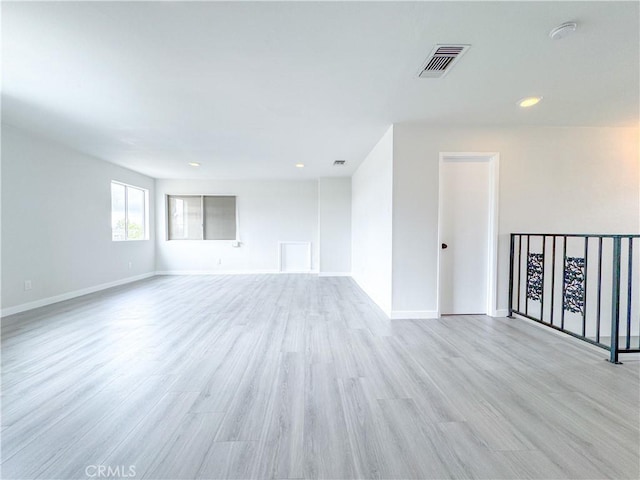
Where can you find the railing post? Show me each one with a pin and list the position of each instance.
(526, 277)
(615, 300)
(563, 299)
(511, 258)
(553, 278)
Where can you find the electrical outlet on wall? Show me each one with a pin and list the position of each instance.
(27, 285)
(219, 261)
(130, 265)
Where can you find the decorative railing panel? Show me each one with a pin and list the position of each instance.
(585, 285)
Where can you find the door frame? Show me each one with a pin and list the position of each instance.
(492, 252)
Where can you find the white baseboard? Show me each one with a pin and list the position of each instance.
(414, 314)
(215, 272)
(231, 272)
(334, 274)
(432, 314)
(69, 295)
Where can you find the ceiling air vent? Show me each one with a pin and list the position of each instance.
(441, 59)
(339, 162)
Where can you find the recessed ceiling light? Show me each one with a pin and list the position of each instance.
(529, 101)
(194, 164)
(300, 165)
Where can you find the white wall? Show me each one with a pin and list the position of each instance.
(334, 216)
(56, 222)
(556, 180)
(268, 212)
(371, 227)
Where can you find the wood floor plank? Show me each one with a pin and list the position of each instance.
(281, 445)
(327, 449)
(186, 450)
(366, 435)
(40, 450)
(417, 448)
(115, 427)
(254, 397)
(141, 446)
(229, 460)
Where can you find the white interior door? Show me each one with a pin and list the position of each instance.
(465, 198)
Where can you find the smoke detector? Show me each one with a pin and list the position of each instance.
(562, 31)
(441, 59)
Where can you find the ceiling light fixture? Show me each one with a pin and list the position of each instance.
(300, 165)
(562, 31)
(529, 101)
(194, 164)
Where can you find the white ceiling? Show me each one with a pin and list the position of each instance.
(250, 89)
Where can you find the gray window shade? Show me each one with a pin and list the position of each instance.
(219, 218)
(185, 217)
(201, 217)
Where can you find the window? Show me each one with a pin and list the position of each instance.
(129, 212)
(201, 217)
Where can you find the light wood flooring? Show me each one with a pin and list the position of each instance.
(295, 377)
